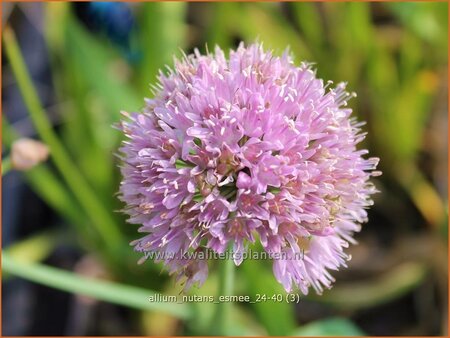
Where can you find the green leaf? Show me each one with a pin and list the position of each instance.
(33, 249)
(121, 294)
(161, 35)
(277, 317)
(365, 294)
(221, 323)
(329, 327)
(243, 321)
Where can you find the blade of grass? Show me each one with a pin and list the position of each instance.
(101, 218)
(102, 290)
(49, 187)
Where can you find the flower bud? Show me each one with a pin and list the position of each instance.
(27, 153)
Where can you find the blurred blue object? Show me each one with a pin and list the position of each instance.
(113, 19)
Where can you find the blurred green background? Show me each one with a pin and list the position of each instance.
(65, 233)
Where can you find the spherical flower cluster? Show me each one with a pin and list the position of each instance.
(250, 148)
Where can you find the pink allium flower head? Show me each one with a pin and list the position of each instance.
(230, 151)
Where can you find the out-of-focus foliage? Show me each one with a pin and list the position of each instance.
(394, 55)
